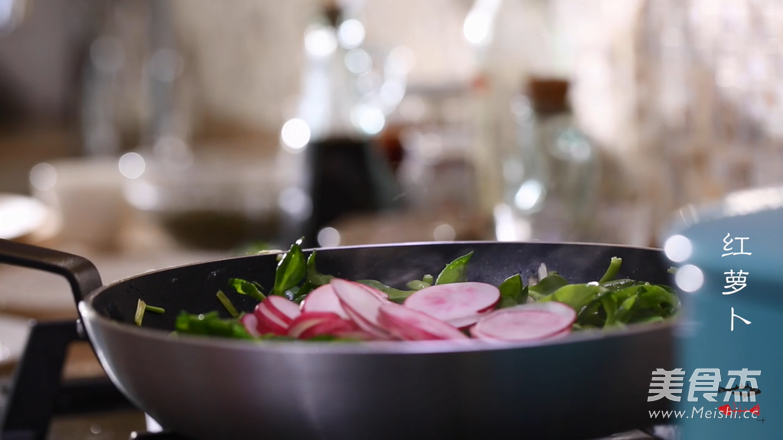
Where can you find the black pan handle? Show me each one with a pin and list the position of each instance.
(80, 272)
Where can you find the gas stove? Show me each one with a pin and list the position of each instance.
(38, 405)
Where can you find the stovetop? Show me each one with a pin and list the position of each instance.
(37, 405)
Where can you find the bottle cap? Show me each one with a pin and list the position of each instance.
(548, 95)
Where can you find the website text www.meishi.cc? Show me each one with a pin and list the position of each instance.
(702, 413)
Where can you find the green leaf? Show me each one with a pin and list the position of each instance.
(548, 285)
(290, 270)
(248, 288)
(576, 296)
(648, 320)
(610, 308)
(626, 309)
(618, 284)
(612, 270)
(512, 292)
(658, 298)
(429, 279)
(395, 295)
(417, 285)
(454, 272)
(292, 293)
(210, 324)
(506, 302)
(315, 278)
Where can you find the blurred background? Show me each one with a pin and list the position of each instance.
(148, 133)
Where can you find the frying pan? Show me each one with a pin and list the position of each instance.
(581, 387)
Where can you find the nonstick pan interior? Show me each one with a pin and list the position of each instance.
(193, 288)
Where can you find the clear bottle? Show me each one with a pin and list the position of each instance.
(512, 39)
(552, 177)
(332, 142)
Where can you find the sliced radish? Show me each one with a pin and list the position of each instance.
(323, 299)
(268, 322)
(283, 308)
(463, 323)
(307, 320)
(329, 327)
(450, 302)
(379, 293)
(361, 305)
(526, 322)
(251, 324)
(412, 325)
(375, 331)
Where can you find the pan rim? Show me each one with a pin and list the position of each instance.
(89, 313)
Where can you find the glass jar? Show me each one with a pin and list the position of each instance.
(551, 178)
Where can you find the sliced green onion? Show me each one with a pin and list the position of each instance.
(140, 307)
(227, 304)
(154, 309)
(612, 270)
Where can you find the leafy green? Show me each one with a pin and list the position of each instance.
(454, 272)
(512, 292)
(548, 285)
(210, 324)
(417, 285)
(429, 279)
(227, 304)
(290, 270)
(248, 288)
(313, 279)
(618, 284)
(395, 295)
(610, 309)
(576, 296)
(313, 276)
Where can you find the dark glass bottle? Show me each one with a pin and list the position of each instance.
(345, 170)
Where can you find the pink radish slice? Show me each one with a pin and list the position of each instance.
(485, 337)
(376, 331)
(449, 302)
(251, 324)
(463, 323)
(490, 308)
(307, 320)
(379, 293)
(410, 324)
(356, 298)
(323, 299)
(268, 322)
(329, 327)
(283, 308)
(526, 322)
